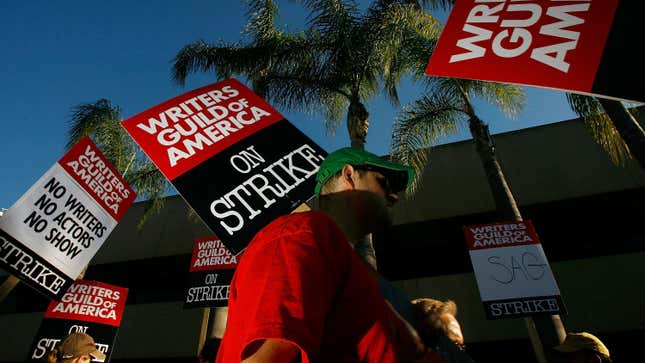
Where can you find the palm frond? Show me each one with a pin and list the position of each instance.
(333, 17)
(421, 4)
(223, 60)
(397, 31)
(335, 107)
(101, 121)
(421, 125)
(508, 98)
(89, 117)
(436, 4)
(151, 207)
(302, 94)
(600, 127)
(368, 86)
(115, 144)
(150, 185)
(147, 180)
(262, 17)
(449, 88)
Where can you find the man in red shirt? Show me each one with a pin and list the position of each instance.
(301, 294)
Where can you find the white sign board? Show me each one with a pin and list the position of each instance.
(52, 232)
(512, 272)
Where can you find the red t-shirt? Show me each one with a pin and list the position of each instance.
(300, 281)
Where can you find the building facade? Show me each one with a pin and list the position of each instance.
(587, 212)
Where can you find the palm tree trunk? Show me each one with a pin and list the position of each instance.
(7, 286)
(628, 128)
(357, 123)
(504, 200)
(548, 328)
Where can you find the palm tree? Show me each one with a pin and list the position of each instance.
(334, 67)
(446, 106)
(441, 111)
(101, 122)
(615, 129)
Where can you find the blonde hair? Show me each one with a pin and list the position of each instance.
(429, 324)
(429, 306)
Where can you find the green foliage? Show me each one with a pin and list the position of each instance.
(343, 55)
(420, 125)
(101, 122)
(600, 127)
(444, 109)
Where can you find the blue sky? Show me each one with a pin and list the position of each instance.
(59, 54)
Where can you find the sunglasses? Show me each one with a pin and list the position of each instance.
(390, 182)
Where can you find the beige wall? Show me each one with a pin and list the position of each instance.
(546, 163)
(541, 164)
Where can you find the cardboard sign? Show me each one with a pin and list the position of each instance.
(512, 272)
(211, 271)
(583, 46)
(90, 307)
(234, 159)
(52, 232)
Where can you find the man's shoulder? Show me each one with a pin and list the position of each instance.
(308, 221)
(311, 230)
(310, 227)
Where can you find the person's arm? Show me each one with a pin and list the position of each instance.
(271, 350)
(287, 286)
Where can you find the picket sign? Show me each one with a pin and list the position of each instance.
(52, 232)
(232, 157)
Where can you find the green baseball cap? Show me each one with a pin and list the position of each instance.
(400, 176)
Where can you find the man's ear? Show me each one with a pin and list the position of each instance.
(348, 174)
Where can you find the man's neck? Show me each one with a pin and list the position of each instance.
(365, 248)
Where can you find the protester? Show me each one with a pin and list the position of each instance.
(583, 348)
(440, 330)
(75, 348)
(300, 293)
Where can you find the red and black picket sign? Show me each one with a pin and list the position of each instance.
(572, 45)
(90, 307)
(209, 278)
(234, 159)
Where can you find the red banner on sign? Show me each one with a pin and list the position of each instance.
(90, 301)
(502, 234)
(182, 132)
(90, 168)
(211, 254)
(553, 44)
